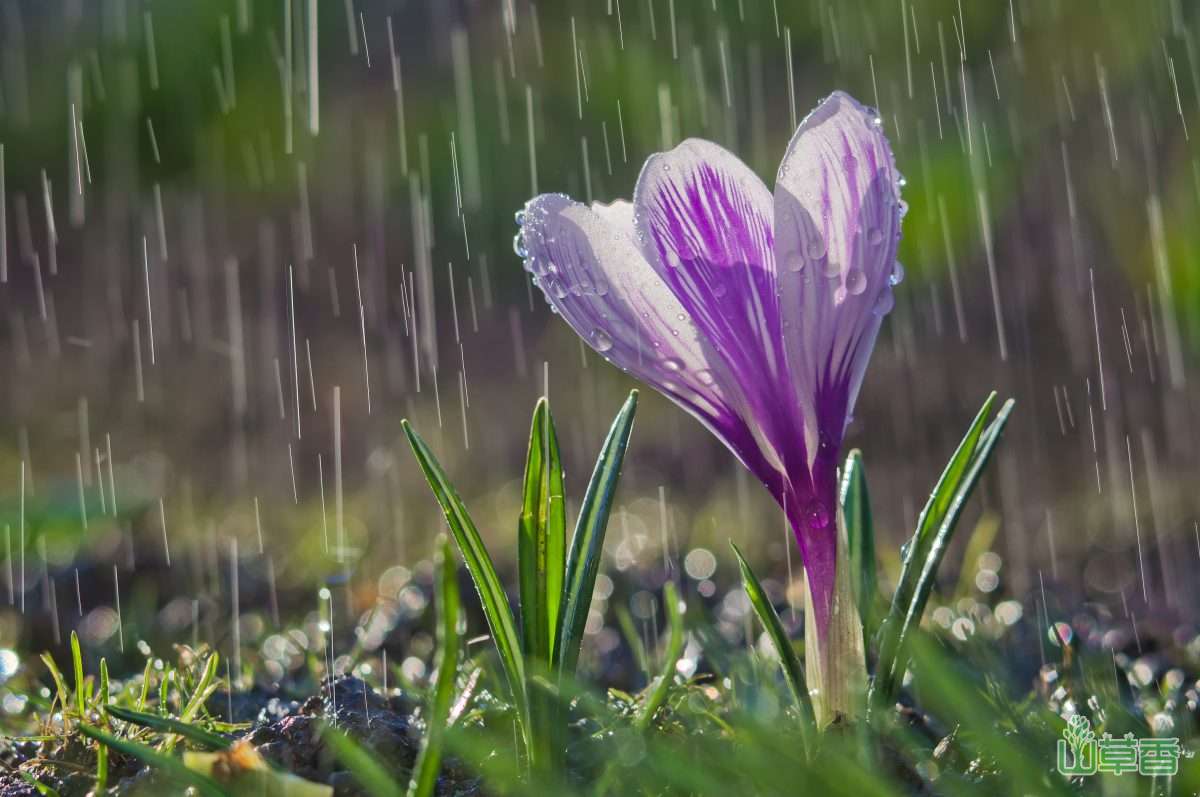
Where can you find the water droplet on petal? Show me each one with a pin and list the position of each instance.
(856, 281)
(519, 217)
(705, 376)
(816, 515)
(885, 303)
(831, 268)
(897, 274)
(793, 261)
(875, 236)
(673, 364)
(816, 247)
(719, 290)
(601, 342)
(519, 245)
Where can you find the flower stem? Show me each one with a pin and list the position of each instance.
(835, 661)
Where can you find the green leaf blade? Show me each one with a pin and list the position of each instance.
(541, 538)
(587, 545)
(429, 759)
(860, 533)
(169, 765)
(793, 672)
(927, 547)
(479, 564)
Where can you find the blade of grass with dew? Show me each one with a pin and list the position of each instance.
(77, 660)
(937, 548)
(102, 691)
(793, 672)
(541, 538)
(658, 695)
(60, 685)
(370, 774)
(429, 759)
(860, 531)
(141, 702)
(169, 765)
(204, 689)
(170, 725)
(479, 564)
(915, 550)
(583, 562)
(541, 542)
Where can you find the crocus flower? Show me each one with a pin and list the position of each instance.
(755, 313)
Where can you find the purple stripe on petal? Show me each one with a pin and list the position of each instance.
(704, 222)
(593, 275)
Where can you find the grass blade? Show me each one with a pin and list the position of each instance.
(60, 685)
(793, 673)
(860, 533)
(371, 775)
(77, 659)
(937, 549)
(169, 725)
(541, 538)
(170, 766)
(674, 648)
(429, 760)
(935, 528)
(479, 564)
(587, 545)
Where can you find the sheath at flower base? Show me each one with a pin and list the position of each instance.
(756, 313)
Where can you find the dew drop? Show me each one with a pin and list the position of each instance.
(519, 217)
(875, 236)
(832, 268)
(816, 515)
(705, 376)
(856, 281)
(673, 364)
(897, 274)
(816, 248)
(519, 245)
(601, 342)
(794, 261)
(885, 303)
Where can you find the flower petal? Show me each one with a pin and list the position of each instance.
(837, 225)
(703, 220)
(593, 275)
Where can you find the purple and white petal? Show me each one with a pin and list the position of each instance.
(703, 220)
(837, 225)
(591, 272)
